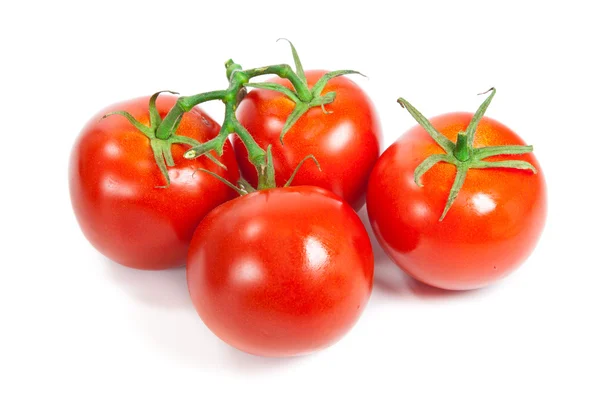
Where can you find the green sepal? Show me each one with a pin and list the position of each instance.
(299, 110)
(490, 151)
(180, 139)
(427, 164)
(155, 119)
(215, 161)
(168, 155)
(245, 185)
(320, 85)
(223, 180)
(440, 139)
(516, 164)
(311, 157)
(146, 130)
(275, 87)
(299, 68)
(459, 180)
(302, 108)
(478, 115)
(327, 98)
(158, 147)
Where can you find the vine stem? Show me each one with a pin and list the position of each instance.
(162, 132)
(237, 79)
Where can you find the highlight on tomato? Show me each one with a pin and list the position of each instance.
(459, 201)
(136, 198)
(315, 112)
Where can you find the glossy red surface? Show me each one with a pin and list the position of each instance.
(113, 181)
(490, 230)
(281, 272)
(346, 142)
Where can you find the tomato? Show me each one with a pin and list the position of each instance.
(346, 141)
(114, 182)
(491, 228)
(281, 272)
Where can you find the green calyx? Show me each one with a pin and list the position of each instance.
(304, 97)
(161, 147)
(462, 154)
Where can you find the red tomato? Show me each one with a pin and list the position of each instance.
(492, 227)
(281, 272)
(346, 142)
(113, 183)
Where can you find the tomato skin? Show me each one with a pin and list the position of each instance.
(113, 181)
(346, 142)
(281, 272)
(490, 230)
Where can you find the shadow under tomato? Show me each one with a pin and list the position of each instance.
(168, 318)
(387, 276)
(392, 280)
(164, 289)
(247, 363)
(378, 253)
(424, 291)
(389, 279)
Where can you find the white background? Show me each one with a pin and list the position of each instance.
(76, 325)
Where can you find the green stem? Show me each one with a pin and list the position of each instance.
(171, 120)
(462, 150)
(189, 102)
(256, 154)
(237, 79)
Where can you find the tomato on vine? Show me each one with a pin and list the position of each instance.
(326, 115)
(459, 201)
(136, 198)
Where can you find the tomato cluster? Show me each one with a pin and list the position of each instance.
(457, 202)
